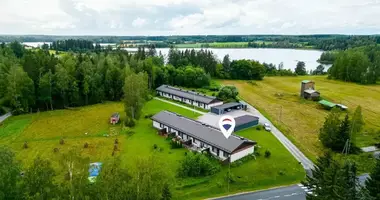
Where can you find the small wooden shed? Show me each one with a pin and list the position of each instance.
(115, 118)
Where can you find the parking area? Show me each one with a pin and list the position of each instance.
(213, 119)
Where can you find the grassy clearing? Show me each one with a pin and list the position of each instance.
(302, 119)
(44, 130)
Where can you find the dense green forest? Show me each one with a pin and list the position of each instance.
(32, 80)
(360, 65)
(324, 42)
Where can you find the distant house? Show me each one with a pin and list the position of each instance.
(188, 97)
(201, 137)
(115, 118)
(308, 90)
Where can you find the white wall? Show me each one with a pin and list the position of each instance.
(214, 104)
(156, 125)
(241, 154)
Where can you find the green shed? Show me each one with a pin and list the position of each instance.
(327, 104)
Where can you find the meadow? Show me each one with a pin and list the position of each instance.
(278, 99)
(90, 124)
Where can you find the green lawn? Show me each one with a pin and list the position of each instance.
(43, 131)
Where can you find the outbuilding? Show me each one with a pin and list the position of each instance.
(225, 108)
(245, 121)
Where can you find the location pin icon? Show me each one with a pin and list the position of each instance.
(227, 125)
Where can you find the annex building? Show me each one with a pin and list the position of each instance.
(188, 97)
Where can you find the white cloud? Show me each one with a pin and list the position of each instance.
(139, 22)
(165, 17)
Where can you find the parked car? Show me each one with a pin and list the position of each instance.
(267, 127)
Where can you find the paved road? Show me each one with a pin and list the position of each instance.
(4, 117)
(179, 105)
(306, 163)
(294, 192)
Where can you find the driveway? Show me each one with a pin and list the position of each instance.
(298, 155)
(4, 117)
(213, 119)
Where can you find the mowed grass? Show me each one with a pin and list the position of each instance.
(278, 99)
(43, 131)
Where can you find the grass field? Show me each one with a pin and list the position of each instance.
(300, 119)
(43, 131)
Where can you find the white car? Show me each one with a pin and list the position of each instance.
(267, 127)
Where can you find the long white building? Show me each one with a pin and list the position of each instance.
(189, 97)
(204, 137)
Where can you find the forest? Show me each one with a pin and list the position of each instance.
(360, 65)
(323, 42)
(33, 80)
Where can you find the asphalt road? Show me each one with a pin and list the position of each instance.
(298, 155)
(294, 192)
(3, 117)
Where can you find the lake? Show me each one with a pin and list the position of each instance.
(289, 57)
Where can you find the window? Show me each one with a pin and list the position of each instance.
(213, 149)
(225, 154)
(161, 125)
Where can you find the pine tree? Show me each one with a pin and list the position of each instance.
(329, 133)
(343, 136)
(372, 184)
(166, 194)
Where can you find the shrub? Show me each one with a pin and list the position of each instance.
(230, 177)
(2, 111)
(116, 141)
(148, 116)
(175, 144)
(281, 173)
(115, 147)
(267, 154)
(61, 141)
(258, 128)
(129, 122)
(195, 165)
(377, 145)
(155, 146)
(25, 146)
(85, 145)
(56, 150)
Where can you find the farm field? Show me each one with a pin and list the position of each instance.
(300, 119)
(43, 131)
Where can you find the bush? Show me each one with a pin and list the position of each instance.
(2, 111)
(56, 150)
(148, 116)
(258, 128)
(267, 154)
(61, 141)
(175, 144)
(155, 146)
(85, 145)
(196, 165)
(25, 146)
(129, 122)
(281, 173)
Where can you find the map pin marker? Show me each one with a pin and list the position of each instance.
(227, 125)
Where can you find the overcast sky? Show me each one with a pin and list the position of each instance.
(189, 17)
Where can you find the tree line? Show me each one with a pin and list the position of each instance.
(331, 179)
(324, 42)
(360, 65)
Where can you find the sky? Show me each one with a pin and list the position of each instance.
(189, 17)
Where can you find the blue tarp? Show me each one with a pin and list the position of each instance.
(95, 169)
